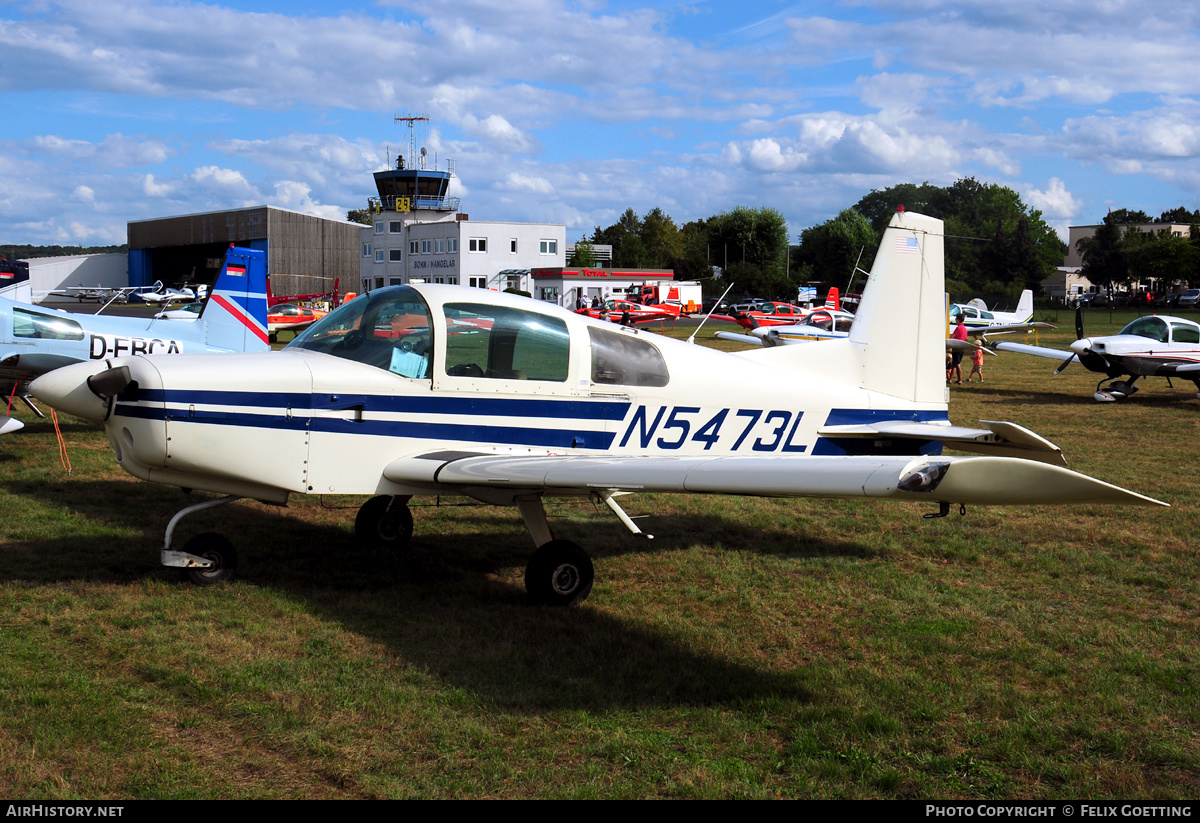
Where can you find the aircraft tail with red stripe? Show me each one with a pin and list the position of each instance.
(235, 316)
(833, 300)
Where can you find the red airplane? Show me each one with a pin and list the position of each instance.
(778, 314)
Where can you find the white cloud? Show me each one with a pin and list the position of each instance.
(1055, 202)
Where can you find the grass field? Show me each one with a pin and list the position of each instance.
(755, 648)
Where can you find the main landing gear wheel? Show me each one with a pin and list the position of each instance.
(559, 574)
(214, 547)
(384, 522)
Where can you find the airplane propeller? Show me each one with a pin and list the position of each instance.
(1078, 336)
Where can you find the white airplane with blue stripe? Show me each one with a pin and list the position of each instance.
(433, 389)
(35, 340)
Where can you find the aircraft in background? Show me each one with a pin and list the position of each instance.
(1152, 346)
(432, 389)
(290, 317)
(164, 296)
(99, 294)
(821, 324)
(768, 313)
(281, 317)
(977, 316)
(35, 340)
(626, 311)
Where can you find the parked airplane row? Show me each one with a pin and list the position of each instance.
(35, 340)
(432, 389)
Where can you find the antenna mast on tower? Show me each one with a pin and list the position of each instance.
(412, 121)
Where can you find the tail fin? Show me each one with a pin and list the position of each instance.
(235, 317)
(834, 301)
(1025, 307)
(897, 344)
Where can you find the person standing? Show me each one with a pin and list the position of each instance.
(956, 356)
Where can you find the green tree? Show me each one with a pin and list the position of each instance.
(828, 252)
(584, 255)
(1179, 215)
(359, 216)
(994, 242)
(660, 239)
(1125, 217)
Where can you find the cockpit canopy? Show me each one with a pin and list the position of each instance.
(1164, 329)
(394, 329)
(969, 312)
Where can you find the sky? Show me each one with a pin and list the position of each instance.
(570, 112)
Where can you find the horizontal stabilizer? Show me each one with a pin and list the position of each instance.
(966, 345)
(997, 438)
(10, 424)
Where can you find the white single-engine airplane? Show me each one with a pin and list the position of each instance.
(34, 340)
(163, 295)
(435, 389)
(1152, 346)
(977, 316)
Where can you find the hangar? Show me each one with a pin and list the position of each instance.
(305, 253)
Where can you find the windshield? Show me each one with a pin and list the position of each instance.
(387, 328)
(1153, 328)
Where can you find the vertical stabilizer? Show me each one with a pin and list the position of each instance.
(235, 317)
(899, 330)
(1024, 310)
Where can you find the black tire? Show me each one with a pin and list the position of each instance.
(560, 573)
(384, 525)
(211, 546)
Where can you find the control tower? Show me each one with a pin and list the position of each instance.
(410, 186)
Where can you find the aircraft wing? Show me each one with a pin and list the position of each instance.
(17, 369)
(934, 479)
(739, 338)
(1037, 351)
(1008, 328)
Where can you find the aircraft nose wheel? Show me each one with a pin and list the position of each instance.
(214, 547)
(384, 522)
(560, 573)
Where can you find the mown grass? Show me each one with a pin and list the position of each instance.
(754, 648)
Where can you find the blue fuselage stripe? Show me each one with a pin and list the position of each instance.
(471, 433)
(474, 406)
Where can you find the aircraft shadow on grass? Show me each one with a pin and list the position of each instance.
(449, 605)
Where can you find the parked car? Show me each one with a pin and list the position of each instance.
(1188, 299)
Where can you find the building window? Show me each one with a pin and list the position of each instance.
(478, 244)
(426, 247)
(379, 228)
(395, 227)
(549, 247)
(452, 245)
(378, 255)
(512, 246)
(439, 246)
(393, 255)
(478, 282)
(366, 249)
(413, 246)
